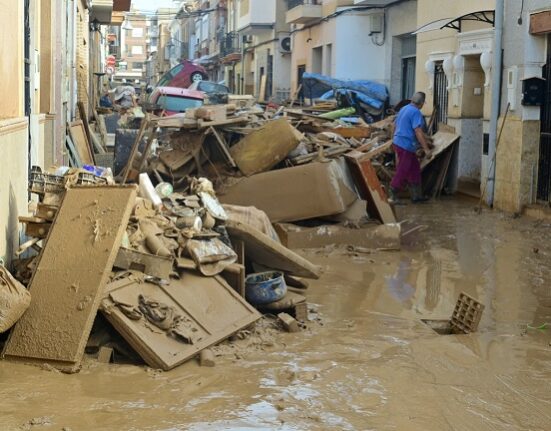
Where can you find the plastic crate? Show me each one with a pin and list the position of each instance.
(41, 182)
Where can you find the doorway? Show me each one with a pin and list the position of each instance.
(473, 151)
(544, 168)
(440, 101)
(301, 70)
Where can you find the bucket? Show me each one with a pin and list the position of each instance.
(265, 287)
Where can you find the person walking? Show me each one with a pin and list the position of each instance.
(409, 137)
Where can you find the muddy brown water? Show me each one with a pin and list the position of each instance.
(366, 361)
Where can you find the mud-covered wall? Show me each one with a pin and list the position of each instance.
(516, 164)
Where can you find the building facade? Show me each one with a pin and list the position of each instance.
(455, 43)
(523, 165)
(362, 39)
(46, 48)
(134, 48)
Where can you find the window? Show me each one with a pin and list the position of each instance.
(137, 50)
(409, 50)
(317, 59)
(137, 66)
(408, 77)
(178, 104)
(137, 32)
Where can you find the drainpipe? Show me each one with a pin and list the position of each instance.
(496, 99)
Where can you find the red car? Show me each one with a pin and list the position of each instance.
(173, 100)
(183, 75)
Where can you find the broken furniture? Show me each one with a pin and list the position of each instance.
(187, 316)
(68, 283)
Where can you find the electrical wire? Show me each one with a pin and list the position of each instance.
(519, 21)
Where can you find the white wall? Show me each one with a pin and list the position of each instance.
(356, 56)
(260, 12)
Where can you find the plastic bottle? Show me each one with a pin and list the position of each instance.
(148, 191)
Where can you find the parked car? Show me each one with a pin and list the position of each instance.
(215, 93)
(183, 75)
(173, 100)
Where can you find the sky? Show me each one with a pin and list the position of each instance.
(149, 5)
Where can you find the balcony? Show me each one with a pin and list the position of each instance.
(230, 49)
(256, 16)
(303, 11)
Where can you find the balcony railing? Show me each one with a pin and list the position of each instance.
(303, 11)
(294, 3)
(230, 44)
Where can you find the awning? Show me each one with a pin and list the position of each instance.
(486, 16)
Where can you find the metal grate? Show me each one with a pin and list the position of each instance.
(544, 171)
(466, 315)
(440, 101)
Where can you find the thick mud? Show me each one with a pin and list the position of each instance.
(365, 362)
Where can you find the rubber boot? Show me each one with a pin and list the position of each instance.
(393, 197)
(417, 195)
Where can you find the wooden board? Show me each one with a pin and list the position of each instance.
(263, 250)
(359, 132)
(73, 269)
(370, 187)
(209, 306)
(442, 141)
(222, 144)
(150, 264)
(262, 92)
(80, 141)
(74, 157)
(84, 119)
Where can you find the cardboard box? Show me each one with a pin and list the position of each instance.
(297, 193)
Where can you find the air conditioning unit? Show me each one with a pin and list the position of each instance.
(285, 45)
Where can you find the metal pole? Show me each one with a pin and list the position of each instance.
(496, 93)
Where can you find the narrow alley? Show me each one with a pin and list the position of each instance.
(275, 215)
(365, 361)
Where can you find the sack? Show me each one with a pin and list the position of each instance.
(14, 300)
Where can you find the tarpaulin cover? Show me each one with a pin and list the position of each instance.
(369, 92)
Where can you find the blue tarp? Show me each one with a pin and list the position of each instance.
(371, 93)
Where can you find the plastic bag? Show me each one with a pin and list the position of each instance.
(14, 300)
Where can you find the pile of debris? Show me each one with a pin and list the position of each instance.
(169, 275)
(200, 245)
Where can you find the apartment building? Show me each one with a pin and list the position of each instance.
(134, 48)
(46, 48)
(361, 39)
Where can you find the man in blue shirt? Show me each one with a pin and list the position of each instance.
(409, 135)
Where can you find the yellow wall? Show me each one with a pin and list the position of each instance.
(305, 41)
(516, 164)
(442, 41)
(46, 57)
(11, 55)
(83, 56)
(472, 106)
(13, 184)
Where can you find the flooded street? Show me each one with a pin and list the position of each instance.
(366, 360)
